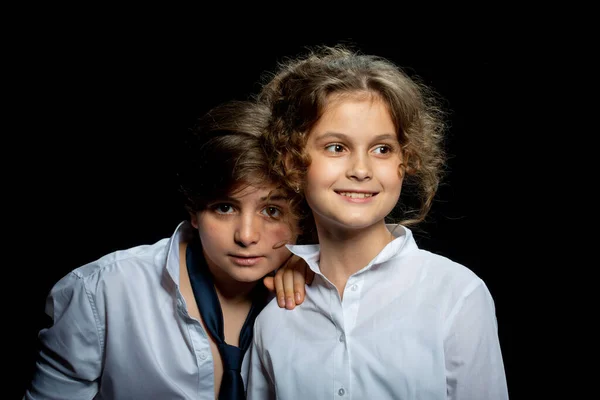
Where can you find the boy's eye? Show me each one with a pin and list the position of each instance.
(272, 212)
(223, 208)
(334, 148)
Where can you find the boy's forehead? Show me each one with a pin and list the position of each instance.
(262, 191)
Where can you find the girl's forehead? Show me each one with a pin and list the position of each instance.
(338, 101)
(351, 115)
(338, 97)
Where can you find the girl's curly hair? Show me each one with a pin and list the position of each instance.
(298, 93)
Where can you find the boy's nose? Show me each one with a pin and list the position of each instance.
(247, 232)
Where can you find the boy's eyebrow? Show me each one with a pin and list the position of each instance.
(233, 200)
(275, 197)
(226, 199)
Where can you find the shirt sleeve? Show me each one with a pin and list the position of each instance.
(70, 359)
(260, 384)
(474, 365)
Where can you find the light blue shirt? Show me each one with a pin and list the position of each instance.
(121, 331)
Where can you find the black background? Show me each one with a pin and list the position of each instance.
(101, 104)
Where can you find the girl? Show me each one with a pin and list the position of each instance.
(382, 319)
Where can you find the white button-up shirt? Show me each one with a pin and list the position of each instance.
(121, 330)
(412, 325)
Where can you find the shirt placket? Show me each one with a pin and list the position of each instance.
(201, 350)
(345, 325)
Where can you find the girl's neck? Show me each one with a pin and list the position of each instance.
(345, 251)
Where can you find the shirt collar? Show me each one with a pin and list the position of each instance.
(402, 244)
(183, 233)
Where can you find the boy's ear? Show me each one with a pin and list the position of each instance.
(194, 219)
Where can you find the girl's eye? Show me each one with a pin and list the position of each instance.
(272, 212)
(383, 149)
(223, 208)
(334, 148)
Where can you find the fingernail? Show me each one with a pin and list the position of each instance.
(289, 302)
(282, 302)
(298, 297)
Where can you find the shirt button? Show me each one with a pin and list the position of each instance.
(342, 337)
(203, 356)
(354, 287)
(341, 392)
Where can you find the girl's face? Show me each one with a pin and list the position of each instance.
(354, 179)
(244, 235)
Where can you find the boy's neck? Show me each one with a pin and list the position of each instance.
(229, 290)
(347, 251)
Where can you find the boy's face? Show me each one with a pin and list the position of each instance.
(244, 236)
(354, 178)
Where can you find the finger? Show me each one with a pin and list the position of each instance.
(269, 283)
(288, 286)
(279, 292)
(299, 287)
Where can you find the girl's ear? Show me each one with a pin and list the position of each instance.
(194, 219)
(290, 170)
(294, 169)
(288, 162)
(409, 168)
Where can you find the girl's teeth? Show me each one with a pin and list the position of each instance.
(356, 195)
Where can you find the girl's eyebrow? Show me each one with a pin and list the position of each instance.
(383, 136)
(331, 135)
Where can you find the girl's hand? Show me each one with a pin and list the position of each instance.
(288, 282)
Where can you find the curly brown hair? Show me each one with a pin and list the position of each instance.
(297, 94)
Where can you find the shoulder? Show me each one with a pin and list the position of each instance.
(444, 275)
(446, 268)
(436, 270)
(129, 274)
(119, 265)
(454, 285)
(270, 320)
(126, 260)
